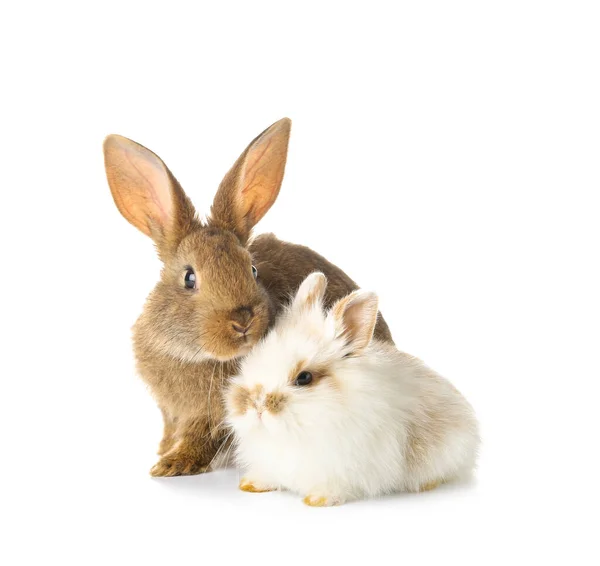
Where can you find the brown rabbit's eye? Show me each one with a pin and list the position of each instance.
(303, 378)
(190, 278)
(254, 272)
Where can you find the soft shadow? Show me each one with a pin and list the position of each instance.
(454, 488)
(220, 483)
(223, 484)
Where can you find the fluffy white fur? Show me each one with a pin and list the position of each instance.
(379, 421)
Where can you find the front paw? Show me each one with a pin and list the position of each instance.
(177, 465)
(315, 500)
(254, 487)
(165, 445)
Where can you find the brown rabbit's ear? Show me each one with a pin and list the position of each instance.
(251, 186)
(146, 192)
(355, 317)
(311, 291)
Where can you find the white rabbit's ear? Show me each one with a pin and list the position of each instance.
(355, 317)
(145, 191)
(251, 186)
(311, 291)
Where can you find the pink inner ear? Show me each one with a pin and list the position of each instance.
(262, 173)
(357, 315)
(260, 181)
(253, 160)
(149, 186)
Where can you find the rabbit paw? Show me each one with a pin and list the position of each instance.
(177, 465)
(165, 445)
(430, 485)
(254, 487)
(314, 500)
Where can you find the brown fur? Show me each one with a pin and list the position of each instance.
(283, 266)
(274, 402)
(185, 341)
(168, 439)
(240, 400)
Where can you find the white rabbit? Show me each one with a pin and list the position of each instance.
(322, 409)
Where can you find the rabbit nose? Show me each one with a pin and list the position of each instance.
(260, 407)
(240, 329)
(241, 319)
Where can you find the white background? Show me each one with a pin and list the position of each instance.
(445, 154)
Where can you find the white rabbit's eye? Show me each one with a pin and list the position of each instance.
(190, 278)
(303, 378)
(254, 272)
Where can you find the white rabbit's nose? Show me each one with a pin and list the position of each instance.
(259, 405)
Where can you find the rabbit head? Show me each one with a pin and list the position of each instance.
(292, 380)
(209, 302)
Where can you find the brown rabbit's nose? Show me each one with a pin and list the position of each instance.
(241, 319)
(240, 329)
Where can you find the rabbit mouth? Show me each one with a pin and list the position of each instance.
(240, 352)
(237, 350)
(228, 358)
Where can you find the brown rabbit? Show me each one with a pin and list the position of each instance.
(219, 291)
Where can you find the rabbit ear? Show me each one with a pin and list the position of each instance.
(355, 317)
(146, 193)
(251, 186)
(310, 292)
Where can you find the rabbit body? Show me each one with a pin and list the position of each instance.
(373, 420)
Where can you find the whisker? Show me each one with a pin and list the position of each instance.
(209, 392)
(219, 449)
